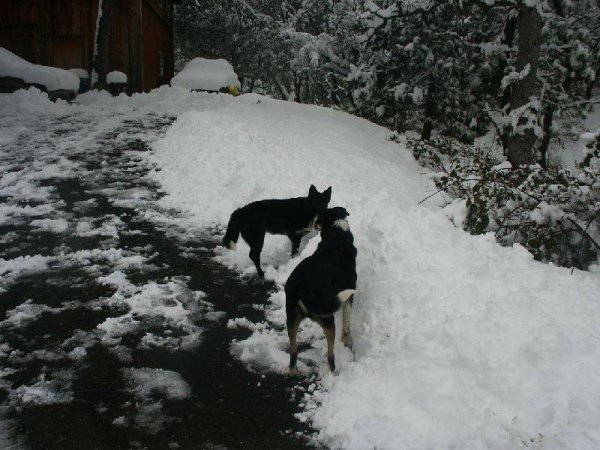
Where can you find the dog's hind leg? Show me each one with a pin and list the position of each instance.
(255, 240)
(293, 322)
(347, 317)
(328, 325)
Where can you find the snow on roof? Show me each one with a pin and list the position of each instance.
(52, 78)
(207, 75)
(116, 77)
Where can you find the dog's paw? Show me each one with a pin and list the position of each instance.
(331, 363)
(229, 245)
(347, 341)
(290, 371)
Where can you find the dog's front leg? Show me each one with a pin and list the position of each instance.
(296, 238)
(347, 317)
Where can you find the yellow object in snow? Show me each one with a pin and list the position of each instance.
(234, 90)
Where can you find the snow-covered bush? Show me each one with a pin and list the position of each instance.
(552, 212)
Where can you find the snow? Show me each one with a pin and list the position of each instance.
(41, 393)
(146, 382)
(51, 77)
(545, 213)
(25, 313)
(207, 75)
(170, 301)
(11, 269)
(459, 342)
(116, 77)
(146, 385)
(81, 73)
(52, 225)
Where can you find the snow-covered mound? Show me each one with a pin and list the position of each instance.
(116, 77)
(81, 73)
(459, 342)
(207, 75)
(52, 78)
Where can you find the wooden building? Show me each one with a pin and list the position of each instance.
(62, 33)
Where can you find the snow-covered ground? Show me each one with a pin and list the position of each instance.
(459, 342)
(74, 203)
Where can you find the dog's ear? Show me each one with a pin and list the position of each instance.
(327, 194)
(312, 191)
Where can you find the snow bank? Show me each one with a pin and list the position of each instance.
(165, 100)
(30, 102)
(459, 343)
(51, 77)
(207, 75)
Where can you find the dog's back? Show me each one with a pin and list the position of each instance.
(319, 278)
(280, 216)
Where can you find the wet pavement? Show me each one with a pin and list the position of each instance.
(81, 260)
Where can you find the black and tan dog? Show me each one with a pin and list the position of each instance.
(293, 217)
(322, 283)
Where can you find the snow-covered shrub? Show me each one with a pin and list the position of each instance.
(552, 212)
(426, 66)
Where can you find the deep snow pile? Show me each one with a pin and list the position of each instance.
(459, 343)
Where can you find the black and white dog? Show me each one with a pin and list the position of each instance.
(293, 217)
(322, 283)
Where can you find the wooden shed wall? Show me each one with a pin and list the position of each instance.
(157, 43)
(69, 28)
(64, 38)
(141, 42)
(20, 28)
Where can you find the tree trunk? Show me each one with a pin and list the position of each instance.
(507, 39)
(590, 88)
(429, 113)
(103, 42)
(521, 146)
(548, 117)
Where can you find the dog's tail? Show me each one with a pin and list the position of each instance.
(233, 230)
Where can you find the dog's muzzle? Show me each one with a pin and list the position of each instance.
(313, 225)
